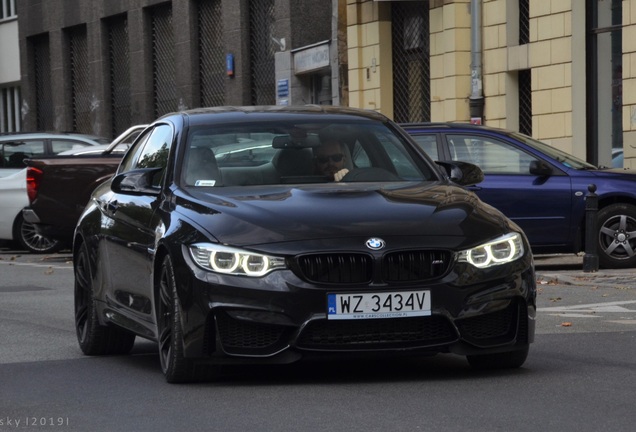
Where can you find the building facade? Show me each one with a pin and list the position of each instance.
(558, 70)
(10, 99)
(100, 66)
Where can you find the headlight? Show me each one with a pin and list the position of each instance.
(500, 251)
(227, 260)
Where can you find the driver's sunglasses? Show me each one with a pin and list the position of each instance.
(334, 158)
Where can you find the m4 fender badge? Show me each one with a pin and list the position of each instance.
(375, 243)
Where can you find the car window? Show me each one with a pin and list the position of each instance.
(131, 157)
(155, 152)
(491, 155)
(60, 145)
(428, 143)
(400, 158)
(14, 152)
(565, 159)
(360, 157)
(290, 152)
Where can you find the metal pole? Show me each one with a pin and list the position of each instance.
(590, 260)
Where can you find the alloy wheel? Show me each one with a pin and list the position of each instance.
(35, 242)
(617, 237)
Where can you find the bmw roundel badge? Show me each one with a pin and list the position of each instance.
(375, 243)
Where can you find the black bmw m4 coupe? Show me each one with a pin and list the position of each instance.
(273, 234)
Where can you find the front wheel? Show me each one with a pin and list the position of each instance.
(505, 360)
(28, 238)
(617, 236)
(175, 366)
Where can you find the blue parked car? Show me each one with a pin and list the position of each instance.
(542, 188)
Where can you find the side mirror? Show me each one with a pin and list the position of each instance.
(136, 182)
(463, 173)
(540, 168)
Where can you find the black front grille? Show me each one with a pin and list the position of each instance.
(376, 334)
(415, 265)
(351, 268)
(336, 268)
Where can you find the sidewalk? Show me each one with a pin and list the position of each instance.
(568, 270)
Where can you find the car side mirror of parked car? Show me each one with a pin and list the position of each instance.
(463, 173)
(540, 168)
(136, 182)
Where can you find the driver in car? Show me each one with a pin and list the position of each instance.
(329, 160)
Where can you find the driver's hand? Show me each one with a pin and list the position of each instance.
(340, 174)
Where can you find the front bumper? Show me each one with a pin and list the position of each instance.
(280, 318)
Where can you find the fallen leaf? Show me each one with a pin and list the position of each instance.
(555, 299)
(566, 324)
(49, 271)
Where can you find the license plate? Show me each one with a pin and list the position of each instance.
(377, 305)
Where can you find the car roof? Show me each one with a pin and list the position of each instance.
(257, 112)
(90, 139)
(453, 126)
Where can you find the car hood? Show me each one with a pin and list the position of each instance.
(613, 173)
(250, 216)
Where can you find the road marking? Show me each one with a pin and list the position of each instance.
(592, 310)
(609, 307)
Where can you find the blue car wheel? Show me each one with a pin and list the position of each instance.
(617, 236)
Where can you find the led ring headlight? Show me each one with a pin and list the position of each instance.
(233, 261)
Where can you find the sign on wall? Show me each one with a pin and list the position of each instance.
(311, 58)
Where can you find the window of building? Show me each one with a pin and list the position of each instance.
(524, 22)
(7, 9)
(40, 58)
(212, 68)
(525, 102)
(10, 102)
(163, 63)
(411, 64)
(262, 51)
(80, 78)
(119, 73)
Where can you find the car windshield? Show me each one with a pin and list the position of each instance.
(265, 153)
(562, 157)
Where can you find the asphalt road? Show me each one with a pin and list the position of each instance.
(579, 375)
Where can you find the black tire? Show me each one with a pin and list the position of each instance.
(505, 360)
(94, 338)
(27, 238)
(176, 368)
(617, 236)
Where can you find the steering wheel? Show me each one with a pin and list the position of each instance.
(372, 174)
